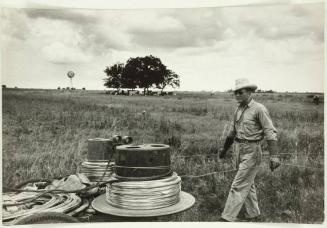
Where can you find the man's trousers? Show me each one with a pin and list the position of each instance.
(248, 158)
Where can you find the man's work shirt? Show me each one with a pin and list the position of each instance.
(252, 122)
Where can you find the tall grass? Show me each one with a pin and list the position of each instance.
(45, 134)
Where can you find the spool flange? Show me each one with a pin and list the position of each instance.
(186, 201)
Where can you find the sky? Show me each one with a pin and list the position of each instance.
(278, 47)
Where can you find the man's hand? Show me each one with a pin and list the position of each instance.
(274, 163)
(273, 151)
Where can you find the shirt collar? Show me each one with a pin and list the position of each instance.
(249, 104)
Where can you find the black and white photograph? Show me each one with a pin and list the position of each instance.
(163, 112)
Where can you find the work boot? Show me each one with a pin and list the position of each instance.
(253, 219)
(221, 219)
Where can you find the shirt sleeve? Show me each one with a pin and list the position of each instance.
(270, 132)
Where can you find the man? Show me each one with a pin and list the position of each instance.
(251, 123)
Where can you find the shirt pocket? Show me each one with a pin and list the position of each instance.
(249, 122)
(249, 126)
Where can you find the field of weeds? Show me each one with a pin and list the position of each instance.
(45, 132)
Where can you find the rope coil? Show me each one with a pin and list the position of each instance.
(144, 195)
(48, 202)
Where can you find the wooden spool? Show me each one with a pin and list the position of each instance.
(145, 160)
(99, 149)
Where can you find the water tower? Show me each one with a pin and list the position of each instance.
(70, 75)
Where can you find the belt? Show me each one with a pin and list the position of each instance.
(246, 141)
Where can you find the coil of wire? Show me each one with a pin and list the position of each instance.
(94, 170)
(144, 195)
(63, 203)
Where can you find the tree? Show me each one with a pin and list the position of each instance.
(114, 76)
(130, 73)
(144, 72)
(141, 72)
(170, 79)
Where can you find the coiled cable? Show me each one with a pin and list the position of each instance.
(62, 203)
(97, 170)
(144, 195)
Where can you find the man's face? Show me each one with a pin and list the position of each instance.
(242, 95)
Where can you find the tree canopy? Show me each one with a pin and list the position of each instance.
(170, 79)
(114, 73)
(141, 72)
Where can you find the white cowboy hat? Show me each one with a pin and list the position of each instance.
(244, 83)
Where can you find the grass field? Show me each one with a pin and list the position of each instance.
(45, 135)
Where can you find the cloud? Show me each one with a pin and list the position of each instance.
(71, 15)
(41, 28)
(92, 31)
(154, 22)
(62, 54)
(158, 30)
(59, 41)
(279, 22)
(107, 34)
(14, 23)
(172, 29)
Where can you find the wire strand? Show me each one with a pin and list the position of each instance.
(302, 166)
(207, 174)
(210, 155)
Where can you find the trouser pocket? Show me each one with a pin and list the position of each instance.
(249, 155)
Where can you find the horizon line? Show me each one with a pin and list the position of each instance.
(198, 91)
